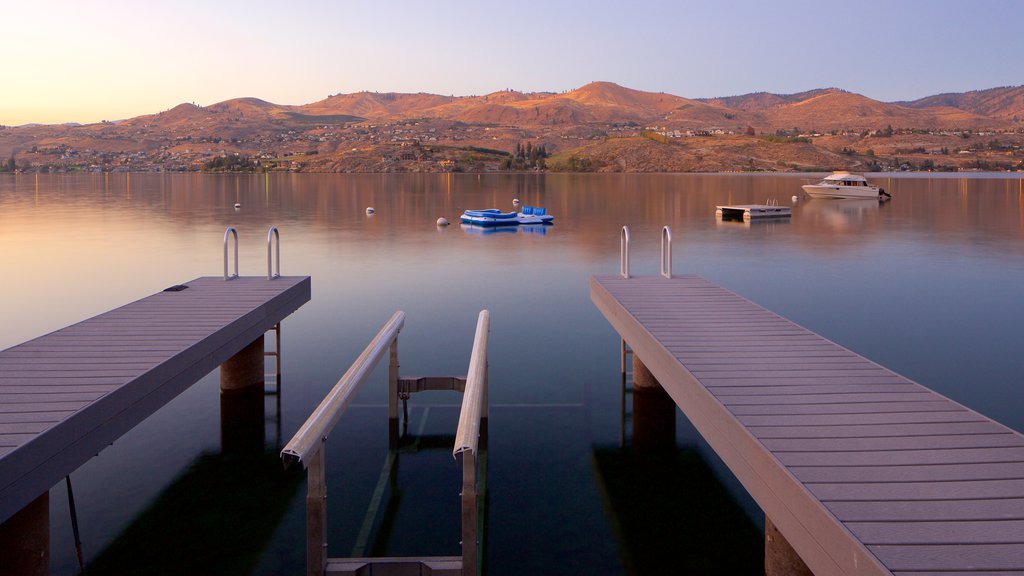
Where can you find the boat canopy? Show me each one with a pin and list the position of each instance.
(844, 177)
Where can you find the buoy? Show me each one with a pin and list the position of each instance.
(370, 210)
(795, 198)
(515, 200)
(237, 205)
(442, 221)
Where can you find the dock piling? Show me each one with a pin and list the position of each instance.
(654, 411)
(244, 369)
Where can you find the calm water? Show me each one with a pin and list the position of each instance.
(927, 285)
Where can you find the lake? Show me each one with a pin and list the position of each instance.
(927, 285)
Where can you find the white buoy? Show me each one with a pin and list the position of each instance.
(237, 205)
(370, 210)
(442, 221)
(795, 198)
(515, 200)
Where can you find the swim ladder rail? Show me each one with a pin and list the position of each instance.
(227, 233)
(624, 252)
(273, 234)
(666, 252)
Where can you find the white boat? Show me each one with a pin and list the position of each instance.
(845, 185)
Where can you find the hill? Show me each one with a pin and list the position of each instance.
(605, 125)
(1006, 102)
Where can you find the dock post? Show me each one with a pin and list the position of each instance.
(654, 411)
(25, 540)
(779, 557)
(242, 412)
(393, 395)
(470, 517)
(244, 369)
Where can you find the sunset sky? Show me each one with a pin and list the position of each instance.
(72, 61)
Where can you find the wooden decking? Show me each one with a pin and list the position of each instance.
(753, 211)
(862, 470)
(67, 395)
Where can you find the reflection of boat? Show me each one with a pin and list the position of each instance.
(840, 214)
(535, 230)
(488, 230)
(844, 185)
(494, 217)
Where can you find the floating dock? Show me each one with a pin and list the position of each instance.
(67, 395)
(860, 470)
(752, 211)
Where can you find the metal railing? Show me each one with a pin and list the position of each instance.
(230, 232)
(624, 252)
(666, 252)
(311, 436)
(474, 399)
(307, 445)
(273, 234)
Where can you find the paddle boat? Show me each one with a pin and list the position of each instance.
(534, 215)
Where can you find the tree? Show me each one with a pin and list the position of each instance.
(10, 164)
(750, 131)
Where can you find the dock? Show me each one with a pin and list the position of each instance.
(67, 395)
(752, 211)
(857, 469)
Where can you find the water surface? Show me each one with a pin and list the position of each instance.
(926, 285)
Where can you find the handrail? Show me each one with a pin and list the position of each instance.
(273, 233)
(309, 438)
(467, 436)
(624, 252)
(666, 252)
(233, 232)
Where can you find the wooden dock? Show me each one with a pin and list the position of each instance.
(67, 395)
(861, 470)
(753, 211)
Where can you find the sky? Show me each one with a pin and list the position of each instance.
(75, 61)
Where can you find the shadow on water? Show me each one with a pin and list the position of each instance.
(220, 514)
(216, 518)
(672, 515)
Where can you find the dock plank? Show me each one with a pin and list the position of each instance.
(864, 471)
(67, 395)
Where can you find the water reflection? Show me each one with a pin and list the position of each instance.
(839, 215)
(216, 518)
(927, 285)
(672, 516)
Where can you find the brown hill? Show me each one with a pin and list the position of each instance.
(757, 101)
(1006, 102)
(250, 107)
(836, 109)
(376, 105)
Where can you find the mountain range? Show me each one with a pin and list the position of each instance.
(606, 102)
(365, 124)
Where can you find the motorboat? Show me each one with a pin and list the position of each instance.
(495, 217)
(845, 185)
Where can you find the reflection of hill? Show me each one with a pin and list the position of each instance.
(214, 519)
(671, 514)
